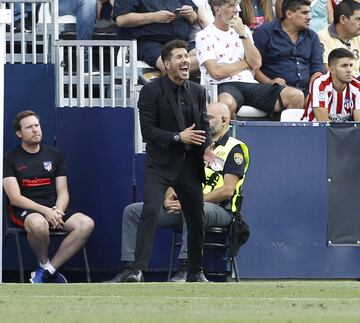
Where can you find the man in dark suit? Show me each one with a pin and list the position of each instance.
(175, 127)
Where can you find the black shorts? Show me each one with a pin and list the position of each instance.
(150, 51)
(259, 96)
(18, 216)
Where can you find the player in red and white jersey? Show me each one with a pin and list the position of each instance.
(335, 96)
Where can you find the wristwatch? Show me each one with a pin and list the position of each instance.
(176, 138)
(244, 36)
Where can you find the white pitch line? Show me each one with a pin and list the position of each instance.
(336, 299)
(296, 282)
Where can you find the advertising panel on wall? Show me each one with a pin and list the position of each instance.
(343, 184)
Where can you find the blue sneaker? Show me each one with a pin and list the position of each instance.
(58, 278)
(40, 276)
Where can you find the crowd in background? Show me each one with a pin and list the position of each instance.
(292, 38)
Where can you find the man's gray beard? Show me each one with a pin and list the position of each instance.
(215, 129)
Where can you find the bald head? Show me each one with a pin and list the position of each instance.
(219, 118)
(220, 109)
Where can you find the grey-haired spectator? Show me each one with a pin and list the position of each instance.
(228, 57)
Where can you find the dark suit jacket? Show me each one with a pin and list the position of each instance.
(160, 120)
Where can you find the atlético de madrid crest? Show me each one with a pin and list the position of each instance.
(48, 165)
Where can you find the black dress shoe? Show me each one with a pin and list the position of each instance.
(179, 277)
(135, 276)
(196, 277)
(119, 278)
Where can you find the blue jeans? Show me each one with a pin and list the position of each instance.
(84, 10)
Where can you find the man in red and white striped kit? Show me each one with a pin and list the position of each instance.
(335, 96)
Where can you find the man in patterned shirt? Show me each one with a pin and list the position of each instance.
(227, 57)
(335, 96)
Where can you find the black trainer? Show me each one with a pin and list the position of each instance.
(179, 277)
(120, 277)
(136, 276)
(196, 277)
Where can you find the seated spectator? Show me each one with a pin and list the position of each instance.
(335, 96)
(291, 52)
(36, 185)
(255, 13)
(344, 32)
(322, 13)
(228, 58)
(84, 10)
(153, 24)
(222, 197)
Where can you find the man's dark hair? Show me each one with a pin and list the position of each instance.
(339, 53)
(345, 8)
(21, 115)
(293, 5)
(168, 47)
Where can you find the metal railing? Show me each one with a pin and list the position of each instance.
(86, 74)
(35, 44)
(212, 92)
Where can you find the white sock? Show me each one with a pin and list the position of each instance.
(49, 267)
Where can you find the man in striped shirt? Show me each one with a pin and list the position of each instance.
(335, 96)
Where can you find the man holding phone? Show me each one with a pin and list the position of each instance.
(154, 23)
(177, 11)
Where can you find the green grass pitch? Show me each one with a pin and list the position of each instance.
(247, 301)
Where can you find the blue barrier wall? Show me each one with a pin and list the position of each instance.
(97, 144)
(286, 205)
(29, 87)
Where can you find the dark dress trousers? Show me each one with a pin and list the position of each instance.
(170, 163)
